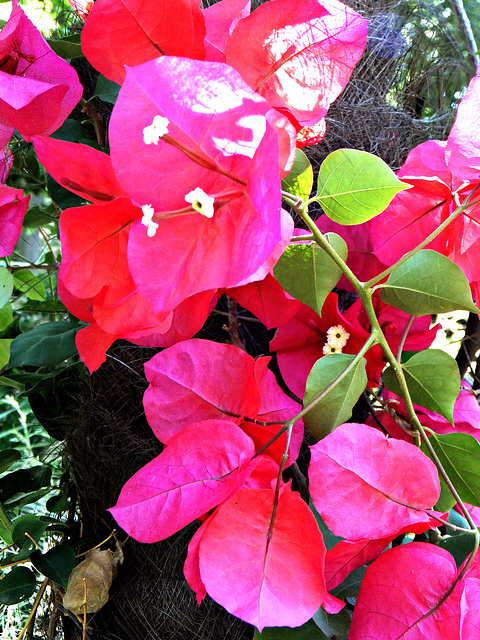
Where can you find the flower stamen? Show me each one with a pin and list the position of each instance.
(158, 128)
(201, 202)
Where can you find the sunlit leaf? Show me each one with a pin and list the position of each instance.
(299, 180)
(355, 186)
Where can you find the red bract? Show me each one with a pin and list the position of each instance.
(298, 56)
(266, 575)
(389, 483)
(13, 207)
(219, 143)
(402, 596)
(123, 32)
(202, 466)
(37, 88)
(198, 380)
(299, 343)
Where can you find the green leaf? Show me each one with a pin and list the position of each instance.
(428, 283)
(433, 380)
(329, 538)
(459, 546)
(32, 497)
(19, 584)
(63, 197)
(107, 90)
(459, 454)
(350, 587)
(6, 285)
(33, 525)
(24, 481)
(7, 458)
(57, 564)
(308, 631)
(336, 407)
(68, 47)
(355, 186)
(30, 284)
(299, 180)
(6, 316)
(47, 344)
(5, 344)
(308, 274)
(39, 217)
(70, 131)
(333, 626)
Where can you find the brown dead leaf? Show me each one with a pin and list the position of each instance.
(97, 570)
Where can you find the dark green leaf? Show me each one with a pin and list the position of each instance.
(459, 546)
(68, 47)
(57, 564)
(8, 457)
(22, 499)
(70, 131)
(47, 344)
(336, 407)
(308, 631)
(459, 454)
(350, 587)
(428, 283)
(33, 525)
(355, 186)
(107, 90)
(329, 538)
(57, 503)
(19, 584)
(433, 381)
(39, 217)
(308, 274)
(24, 481)
(6, 285)
(299, 180)
(26, 282)
(333, 626)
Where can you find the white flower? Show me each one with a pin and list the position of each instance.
(201, 202)
(148, 213)
(158, 128)
(337, 336)
(330, 348)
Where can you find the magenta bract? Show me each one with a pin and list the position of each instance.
(13, 207)
(38, 89)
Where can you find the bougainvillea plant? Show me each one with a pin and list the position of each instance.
(196, 196)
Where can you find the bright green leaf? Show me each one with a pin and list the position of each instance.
(30, 284)
(19, 584)
(6, 285)
(427, 283)
(107, 90)
(308, 274)
(299, 180)
(47, 344)
(433, 380)
(308, 631)
(355, 186)
(4, 351)
(6, 316)
(57, 564)
(336, 407)
(459, 454)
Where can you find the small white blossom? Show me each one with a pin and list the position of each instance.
(337, 336)
(330, 348)
(158, 128)
(148, 213)
(201, 202)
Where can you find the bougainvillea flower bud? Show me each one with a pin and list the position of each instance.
(38, 89)
(13, 207)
